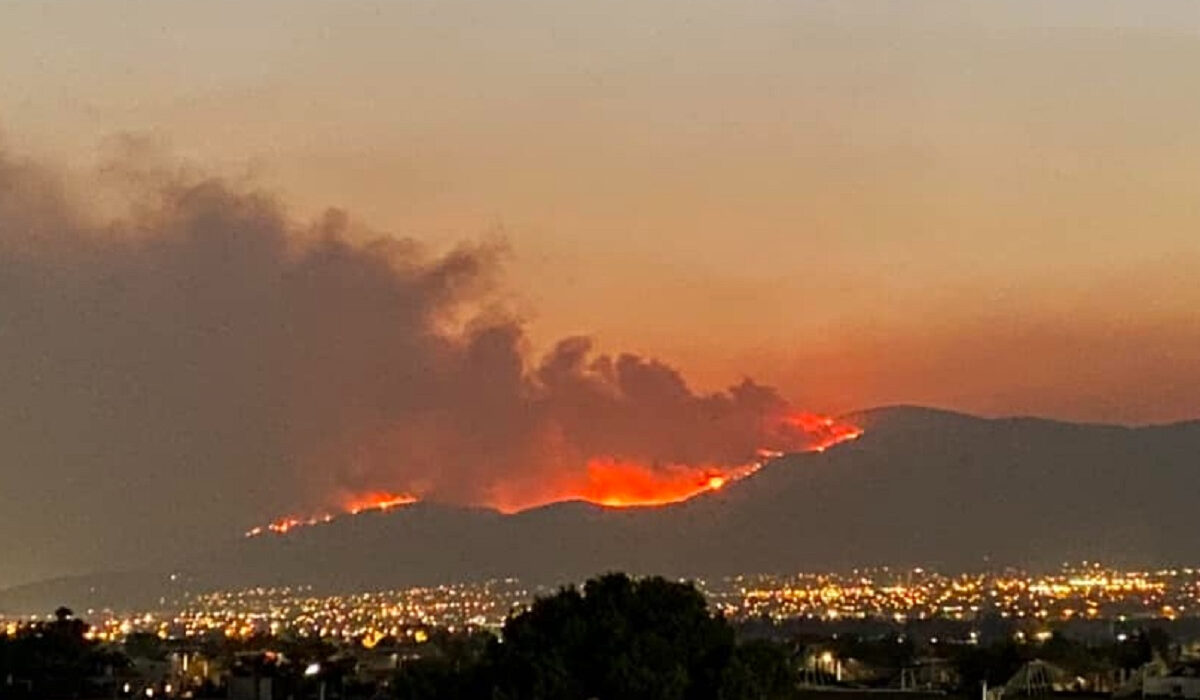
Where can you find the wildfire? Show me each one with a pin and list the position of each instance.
(617, 483)
(625, 483)
(379, 500)
(823, 432)
(360, 503)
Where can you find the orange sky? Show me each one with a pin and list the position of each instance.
(984, 206)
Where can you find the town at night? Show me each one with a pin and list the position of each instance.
(599, 349)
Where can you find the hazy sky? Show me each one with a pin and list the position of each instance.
(990, 206)
(986, 206)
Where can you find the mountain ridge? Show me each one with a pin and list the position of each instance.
(922, 486)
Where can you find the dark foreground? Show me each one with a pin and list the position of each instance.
(615, 637)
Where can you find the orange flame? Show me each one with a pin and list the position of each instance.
(372, 500)
(379, 500)
(623, 483)
(822, 432)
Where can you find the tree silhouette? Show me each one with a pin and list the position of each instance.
(53, 659)
(617, 638)
(759, 670)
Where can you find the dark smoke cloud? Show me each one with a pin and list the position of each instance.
(203, 362)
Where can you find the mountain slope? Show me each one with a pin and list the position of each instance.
(922, 486)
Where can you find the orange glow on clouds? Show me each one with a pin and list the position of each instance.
(622, 483)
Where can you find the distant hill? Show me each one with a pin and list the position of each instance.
(920, 487)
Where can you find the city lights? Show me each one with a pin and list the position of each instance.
(894, 594)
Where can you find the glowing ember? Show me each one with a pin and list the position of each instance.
(622, 483)
(617, 483)
(379, 500)
(821, 432)
(374, 500)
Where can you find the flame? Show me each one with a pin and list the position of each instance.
(625, 483)
(379, 500)
(821, 432)
(618, 482)
(360, 503)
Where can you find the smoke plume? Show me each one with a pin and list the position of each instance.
(203, 361)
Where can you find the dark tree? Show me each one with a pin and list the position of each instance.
(759, 670)
(53, 659)
(617, 638)
(452, 667)
(995, 664)
(145, 645)
(1072, 655)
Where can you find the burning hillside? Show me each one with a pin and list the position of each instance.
(322, 368)
(613, 482)
(373, 501)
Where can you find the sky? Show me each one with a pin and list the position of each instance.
(984, 206)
